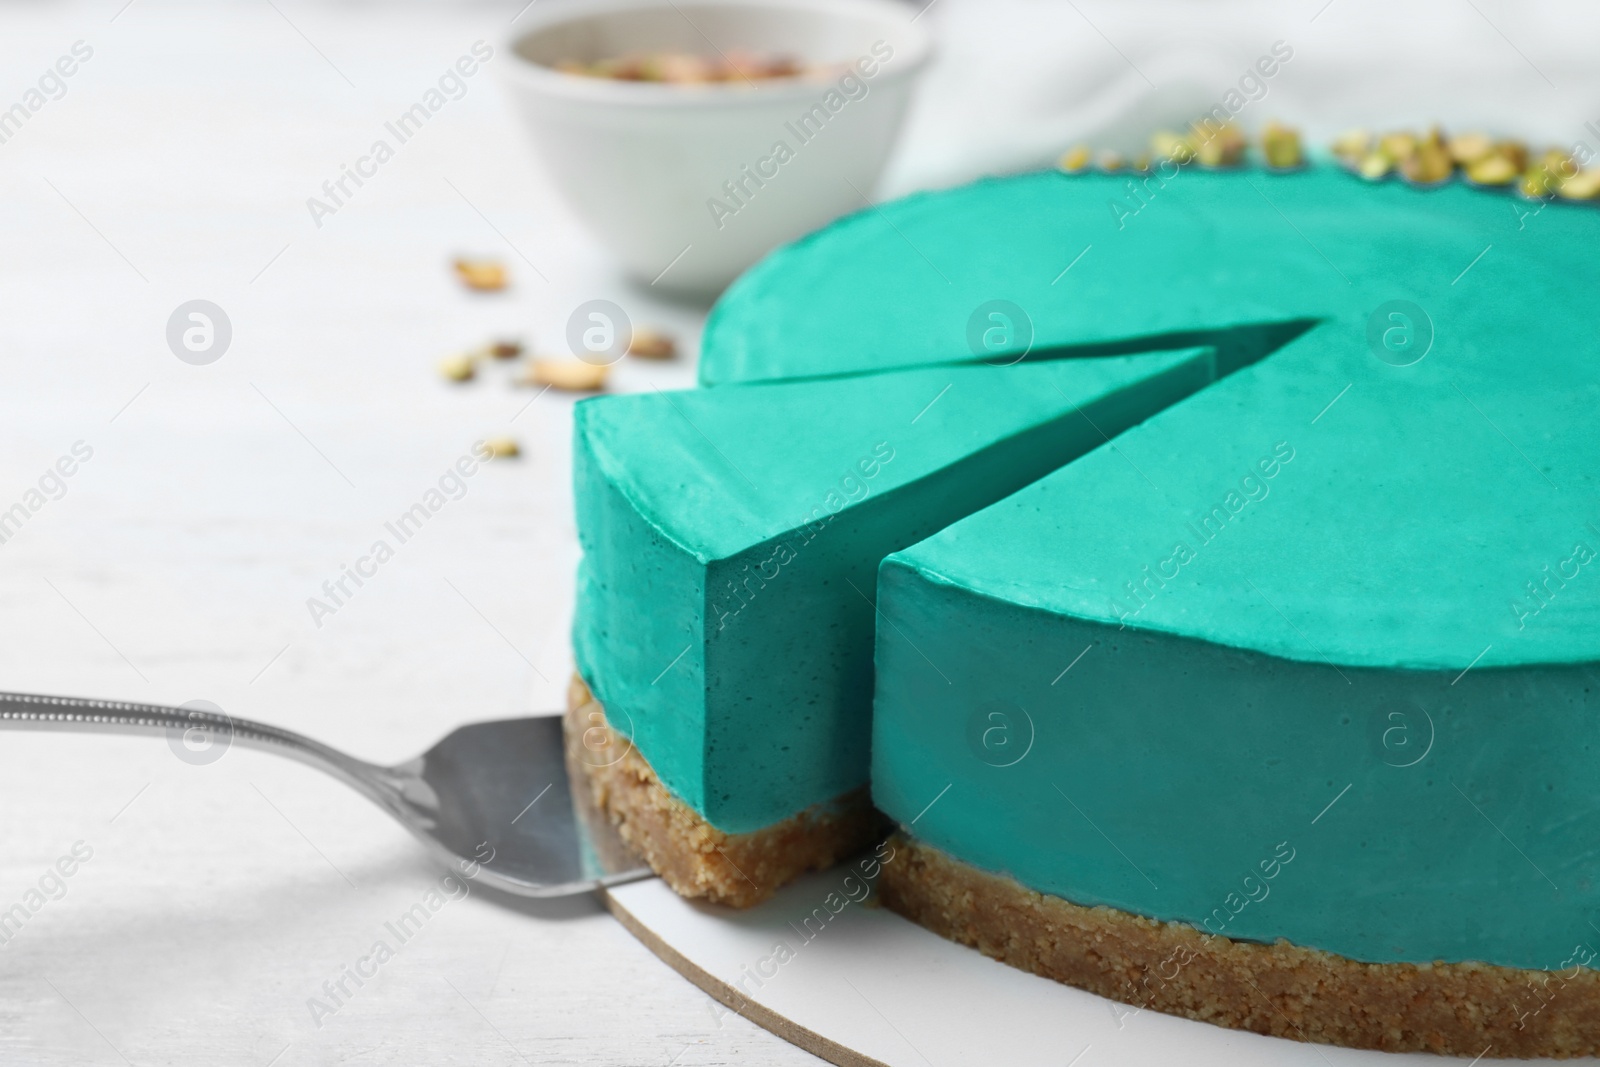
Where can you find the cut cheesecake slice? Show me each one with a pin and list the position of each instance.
(731, 542)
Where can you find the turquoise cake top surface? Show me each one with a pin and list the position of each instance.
(1439, 400)
(732, 537)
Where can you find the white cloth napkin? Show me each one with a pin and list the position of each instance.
(1017, 81)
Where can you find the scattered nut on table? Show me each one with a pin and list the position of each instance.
(504, 349)
(458, 368)
(573, 375)
(502, 448)
(482, 275)
(651, 344)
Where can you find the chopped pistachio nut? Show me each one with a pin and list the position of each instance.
(1425, 159)
(1559, 164)
(1352, 146)
(675, 67)
(1492, 170)
(651, 344)
(1075, 160)
(1375, 165)
(483, 275)
(458, 368)
(1545, 175)
(1584, 185)
(572, 375)
(506, 349)
(1219, 145)
(1428, 165)
(1515, 151)
(737, 65)
(1397, 145)
(1280, 147)
(1168, 145)
(502, 448)
(1468, 148)
(1536, 182)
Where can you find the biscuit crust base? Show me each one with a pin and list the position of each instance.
(691, 855)
(1283, 990)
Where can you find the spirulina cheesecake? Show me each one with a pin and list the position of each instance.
(1279, 711)
(731, 540)
(1276, 710)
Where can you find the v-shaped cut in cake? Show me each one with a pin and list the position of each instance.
(731, 544)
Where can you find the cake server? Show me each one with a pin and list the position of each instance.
(495, 796)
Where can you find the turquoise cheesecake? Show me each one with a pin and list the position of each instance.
(1270, 704)
(731, 542)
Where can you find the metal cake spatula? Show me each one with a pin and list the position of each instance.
(494, 797)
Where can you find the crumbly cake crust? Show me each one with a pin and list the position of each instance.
(1284, 990)
(691, 855)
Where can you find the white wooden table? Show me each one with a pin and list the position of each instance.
(176, 562)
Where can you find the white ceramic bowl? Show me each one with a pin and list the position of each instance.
(686, 184)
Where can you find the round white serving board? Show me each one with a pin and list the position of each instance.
(871, 989)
